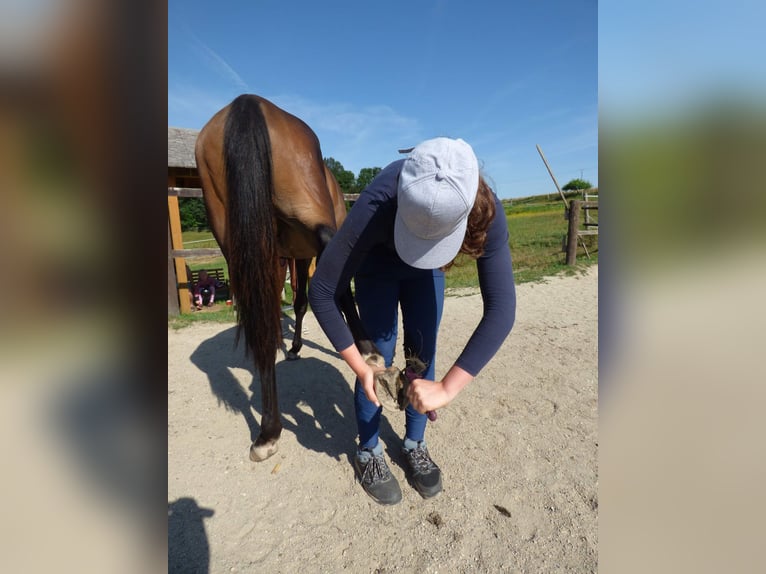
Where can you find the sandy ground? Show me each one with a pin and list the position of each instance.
(518, 450)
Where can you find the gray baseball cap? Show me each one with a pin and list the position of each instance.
(437, 188)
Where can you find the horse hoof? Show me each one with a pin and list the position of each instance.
(374, 360)
(389, 388)
(260, 452)
(291, 356)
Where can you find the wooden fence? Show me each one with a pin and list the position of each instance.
(576, 207)
(178, 281)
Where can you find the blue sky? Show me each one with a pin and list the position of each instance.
(373, 77)
(696, 51)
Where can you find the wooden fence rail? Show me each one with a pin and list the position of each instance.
(184, 192)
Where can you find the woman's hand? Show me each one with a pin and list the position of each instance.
(425, 395)
(368, 382)
(364, 368)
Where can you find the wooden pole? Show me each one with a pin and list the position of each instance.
(574, 225)
(553, 177)
(177, 242)
(172, 281)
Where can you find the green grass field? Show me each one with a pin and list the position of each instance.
(537, 228)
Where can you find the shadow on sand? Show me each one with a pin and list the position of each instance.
(188, 548)
(315, 399)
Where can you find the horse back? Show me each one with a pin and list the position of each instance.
(305, 198)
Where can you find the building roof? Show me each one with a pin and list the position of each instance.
(181, 147)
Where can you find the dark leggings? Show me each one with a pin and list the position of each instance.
(379, 294)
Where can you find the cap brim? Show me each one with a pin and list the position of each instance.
(427, 253)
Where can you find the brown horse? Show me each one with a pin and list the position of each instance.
(269, 195)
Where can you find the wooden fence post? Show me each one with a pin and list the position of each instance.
(173, 308)
(574, 225)
(180, 262)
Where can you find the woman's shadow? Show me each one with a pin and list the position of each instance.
(315, 400)
(188, 547)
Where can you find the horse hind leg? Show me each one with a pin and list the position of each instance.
(364, 344)
(300, 305)
(263, 448)
(282, 265)
(271, 426)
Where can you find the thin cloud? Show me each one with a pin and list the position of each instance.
(497, 102)
(344, 118)
(216, 63)
(358, 136)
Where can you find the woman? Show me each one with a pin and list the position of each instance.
(204, 288)
(405, 228)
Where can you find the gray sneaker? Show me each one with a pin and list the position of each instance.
(375, 476)
(425, 476)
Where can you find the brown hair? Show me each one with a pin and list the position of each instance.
(482, 214)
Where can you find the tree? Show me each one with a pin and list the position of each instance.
(193, 214)
(333, 165)
(577, 184)
(366, 175)
(344, 177)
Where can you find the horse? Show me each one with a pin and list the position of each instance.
(269, 197)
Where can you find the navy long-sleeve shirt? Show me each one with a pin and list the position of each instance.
(369, 231)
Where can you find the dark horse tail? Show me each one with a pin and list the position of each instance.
(251, 229)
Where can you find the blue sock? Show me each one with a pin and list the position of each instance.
(410, 444)
(365, 454)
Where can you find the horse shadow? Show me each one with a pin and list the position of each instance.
(188, 548)
(316, 402)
